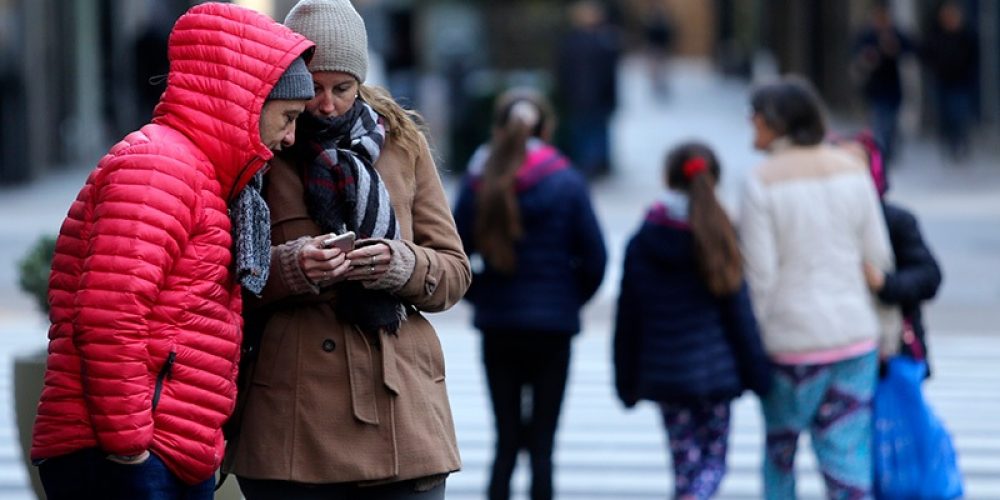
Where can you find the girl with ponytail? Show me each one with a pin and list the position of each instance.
(525, 217)
(685, 334)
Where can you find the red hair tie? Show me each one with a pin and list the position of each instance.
(694, 166)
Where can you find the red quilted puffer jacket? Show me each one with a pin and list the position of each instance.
(146, 325)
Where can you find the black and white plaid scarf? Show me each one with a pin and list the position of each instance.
(345, 193)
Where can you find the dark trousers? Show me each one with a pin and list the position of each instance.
(955, 109)
(532, 367)
(259, 489)
(885, 125)
(88, 474)
(589, 142)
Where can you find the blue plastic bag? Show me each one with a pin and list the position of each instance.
(913, 454)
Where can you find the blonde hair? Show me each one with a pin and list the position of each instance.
(403, 125)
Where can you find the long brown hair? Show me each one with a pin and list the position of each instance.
(403, 125)
(693, 168)
(498, 216)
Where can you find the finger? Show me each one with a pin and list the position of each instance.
(366, 252)
(358, 273)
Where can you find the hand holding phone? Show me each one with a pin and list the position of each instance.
(343, 242)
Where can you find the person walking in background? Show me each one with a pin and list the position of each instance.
(587, 86)
(878, 52)
(659, 31)
(346, 397)
(917, 275)
(685, 334)
(951, 52)
(526, 218)
(810, 220)
(145, 284)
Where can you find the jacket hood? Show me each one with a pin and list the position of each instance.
(224, 60)
(540, 161)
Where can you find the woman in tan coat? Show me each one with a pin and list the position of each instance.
(345, 395)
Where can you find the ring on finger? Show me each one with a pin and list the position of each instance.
(372, 262)
(371, 269)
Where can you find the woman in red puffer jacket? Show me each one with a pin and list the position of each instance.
(146, 306)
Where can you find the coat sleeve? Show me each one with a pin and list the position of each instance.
(757, 242)
(591, 254)
(876, 249)
(917, 275)
(142, 220)
(441, 274)
(628, 325)
(744, 337)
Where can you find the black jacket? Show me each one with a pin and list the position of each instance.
(917, 276)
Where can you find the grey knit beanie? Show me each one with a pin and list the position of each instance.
(295, 84)
(338, 32)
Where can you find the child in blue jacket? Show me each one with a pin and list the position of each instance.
(527, 223)
(685, 334)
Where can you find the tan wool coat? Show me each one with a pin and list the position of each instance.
(324, 404)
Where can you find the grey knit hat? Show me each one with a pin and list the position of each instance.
(338, 31)
(295, 84)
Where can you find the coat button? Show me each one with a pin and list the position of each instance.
(329, 345)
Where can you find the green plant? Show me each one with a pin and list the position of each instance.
(34, 268)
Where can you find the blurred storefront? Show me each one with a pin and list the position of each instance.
(760, 38)
(75, 76)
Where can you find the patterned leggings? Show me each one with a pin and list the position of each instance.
(832, 401)
(698, 435)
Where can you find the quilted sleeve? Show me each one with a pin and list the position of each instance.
(142, 217)
(592, 256)
(627, 332)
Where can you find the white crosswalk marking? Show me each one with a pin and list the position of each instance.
(605, 452)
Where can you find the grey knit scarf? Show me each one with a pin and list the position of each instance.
(251, 221)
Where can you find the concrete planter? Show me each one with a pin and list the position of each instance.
(29, 374)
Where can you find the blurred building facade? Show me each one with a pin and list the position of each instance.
(75, 76)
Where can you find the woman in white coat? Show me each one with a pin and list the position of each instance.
(810, 220)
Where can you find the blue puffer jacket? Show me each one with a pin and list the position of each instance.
(560, 259)
(675, 341)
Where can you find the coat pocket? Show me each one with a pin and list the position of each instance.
(430, 353)
(166, 372)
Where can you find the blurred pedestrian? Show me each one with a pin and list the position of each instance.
(587, 85)
(685, 333)
(877, 54)
(951, 51)
(810, 219)
(346, 395)
(917, 275)
(145, 285)
(659, 31)
(526, 218)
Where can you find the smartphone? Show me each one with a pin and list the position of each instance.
(345, 242)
